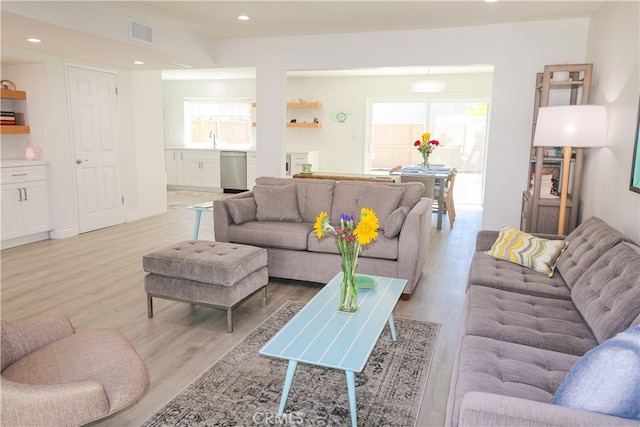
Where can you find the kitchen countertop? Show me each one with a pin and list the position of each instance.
(248, 150)
(13, 163)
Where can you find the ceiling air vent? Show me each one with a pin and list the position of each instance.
(140, 32)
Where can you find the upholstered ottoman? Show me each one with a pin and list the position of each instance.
(214, 274)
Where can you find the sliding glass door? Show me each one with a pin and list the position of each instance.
(459, 126)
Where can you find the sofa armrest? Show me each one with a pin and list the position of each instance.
(222, 218)
(413, 242)
(485, 239)
(60, 404)
(23, 337)
(488, 409)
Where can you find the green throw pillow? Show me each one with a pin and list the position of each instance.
(527, 250)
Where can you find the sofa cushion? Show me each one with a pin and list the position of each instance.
(395, 221)
(547, 323)
(413, 193)
(606, 379)
(272, 234)
(314, 195)
(608, 293)
(383, 247)
(508, 369)
(527, 250)
(488, 271)
(350, 197)
(242, 210)
(588, 242)
(276, 203)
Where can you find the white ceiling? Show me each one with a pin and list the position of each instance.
(218, 20)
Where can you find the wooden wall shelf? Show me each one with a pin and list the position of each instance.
(14, 129)
(304, 104)
(12, 94)
(304, 125)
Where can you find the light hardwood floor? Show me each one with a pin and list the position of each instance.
(97, 280)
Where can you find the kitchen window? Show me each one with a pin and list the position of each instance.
(217, 123)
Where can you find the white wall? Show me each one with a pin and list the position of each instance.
(350, 95)
(146, 155)
(518, 52)
(614, 48)
(141, 138)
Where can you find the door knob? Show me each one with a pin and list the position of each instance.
(78, 161)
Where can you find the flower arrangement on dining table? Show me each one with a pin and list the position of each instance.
(350, 236)
(426, 146)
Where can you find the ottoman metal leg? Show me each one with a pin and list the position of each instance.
(229, 320)
(149, 306)
(264, 296)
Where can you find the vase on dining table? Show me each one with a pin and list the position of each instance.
(425, 161)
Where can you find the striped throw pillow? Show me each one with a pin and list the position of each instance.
(527, 250)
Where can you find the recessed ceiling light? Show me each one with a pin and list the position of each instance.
(490, 1)
(243, 17)
(138, 62)
(34, 40)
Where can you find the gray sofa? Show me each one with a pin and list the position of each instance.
(279, 214)
(522, 331)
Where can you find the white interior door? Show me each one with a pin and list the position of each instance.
(94, 119)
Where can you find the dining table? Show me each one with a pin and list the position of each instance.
(440, 173)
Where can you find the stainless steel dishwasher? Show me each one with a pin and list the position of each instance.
(233, 171)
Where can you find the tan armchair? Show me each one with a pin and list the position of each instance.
(52, 375)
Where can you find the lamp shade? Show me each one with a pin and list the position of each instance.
(571, 126)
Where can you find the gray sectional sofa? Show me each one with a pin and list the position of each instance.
(522, 331)
(279, 214)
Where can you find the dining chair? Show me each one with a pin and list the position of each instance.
(449, 207)
(429, 183)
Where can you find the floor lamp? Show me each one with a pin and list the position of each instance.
(570, 126)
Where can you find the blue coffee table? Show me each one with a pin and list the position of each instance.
(321, 335)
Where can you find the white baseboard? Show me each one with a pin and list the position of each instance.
(64, 233)
(132, 216)
(19, 241)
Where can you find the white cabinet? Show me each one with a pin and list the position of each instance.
(252, 169)
(201, 169)
(296, 160)
(25, 202)
(173, 165)
(193, 168)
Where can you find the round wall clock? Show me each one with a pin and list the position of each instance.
(339, 117)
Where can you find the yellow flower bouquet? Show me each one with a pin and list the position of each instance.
(350, 237)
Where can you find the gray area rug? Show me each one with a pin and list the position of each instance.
(243, 388)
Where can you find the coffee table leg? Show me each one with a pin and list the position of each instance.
(288, 379)
(392, 326)
(351, 390)
(196, 228)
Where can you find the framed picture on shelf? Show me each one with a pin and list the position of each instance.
(635, 164)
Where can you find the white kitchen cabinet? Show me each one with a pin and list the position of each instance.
(25, 204)
(296, 160)
(174, 166)
(193, 168)
(252, 169)
(201, 168)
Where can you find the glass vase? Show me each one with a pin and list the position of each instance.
(425, 161)
(349, 289)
